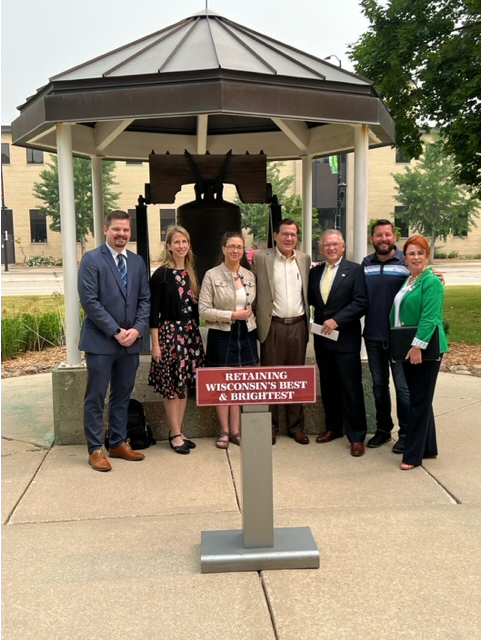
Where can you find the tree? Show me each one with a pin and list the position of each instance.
(255, 216)
(424, 57)
(47, 190)
(435, 205)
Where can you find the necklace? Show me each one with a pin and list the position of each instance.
(413, 279)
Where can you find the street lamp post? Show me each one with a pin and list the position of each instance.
(5, 232)
(334, 56)
(341, 194)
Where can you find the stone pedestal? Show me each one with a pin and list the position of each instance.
(68, 388)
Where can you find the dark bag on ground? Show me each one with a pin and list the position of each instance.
(139, 432)
(401, 339)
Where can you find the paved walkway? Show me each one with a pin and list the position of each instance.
(117, 556)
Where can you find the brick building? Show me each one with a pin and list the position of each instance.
(30, 233)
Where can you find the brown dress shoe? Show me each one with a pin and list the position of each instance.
(126, 452)
(98, 461)
(357, 448)
(300, 437)
(274, 436)
(327, 437)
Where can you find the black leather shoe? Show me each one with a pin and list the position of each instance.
(300, 437)
(398, 447)
(190, 444)
(379, 439)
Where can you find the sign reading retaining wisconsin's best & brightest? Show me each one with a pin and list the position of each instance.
(256, 385)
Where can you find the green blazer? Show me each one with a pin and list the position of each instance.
(423, 306)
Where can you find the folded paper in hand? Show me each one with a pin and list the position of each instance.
(317, 329)
(401, 343)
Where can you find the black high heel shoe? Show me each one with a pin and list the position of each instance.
(180, 449)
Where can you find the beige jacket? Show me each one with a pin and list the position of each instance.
(263, 267)
(217, 297)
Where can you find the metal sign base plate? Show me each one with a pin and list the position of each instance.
(224, 551)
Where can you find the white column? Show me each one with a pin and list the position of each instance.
(69, 241)
(97, 199)
(307, 204)
(361, 149)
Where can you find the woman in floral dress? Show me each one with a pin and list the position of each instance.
(177, 349)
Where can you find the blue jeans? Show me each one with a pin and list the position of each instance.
(379, 363)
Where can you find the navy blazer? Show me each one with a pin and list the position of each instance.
(106, 303)
(347, 304)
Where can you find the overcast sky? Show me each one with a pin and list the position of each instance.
(41, 38)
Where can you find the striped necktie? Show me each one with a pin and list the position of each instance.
(326, 283)
(122, 269)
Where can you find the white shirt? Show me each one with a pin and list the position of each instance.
(116, 253)
(288, 300)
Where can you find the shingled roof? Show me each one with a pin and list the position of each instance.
(204, 84)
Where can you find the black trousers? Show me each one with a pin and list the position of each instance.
(421, 431)
(342, 392)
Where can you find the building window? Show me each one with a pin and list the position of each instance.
(38, 227)
(402, 157)
(399, 224)
(464, 232)
(167, 218)
(5, 153)
(34, 157)
(133, 162)
(133, 225)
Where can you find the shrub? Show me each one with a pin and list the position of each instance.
(14, 337)
(453, 255)
(31, 332)
(44, 330)
(39, 259)
(438, 254)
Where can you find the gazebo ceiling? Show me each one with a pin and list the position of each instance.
(204, 84)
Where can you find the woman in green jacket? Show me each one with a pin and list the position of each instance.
(420, 302)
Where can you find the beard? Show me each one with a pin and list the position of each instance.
(383, 249)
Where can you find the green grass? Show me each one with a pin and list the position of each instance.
(14, 305)
(462, 311)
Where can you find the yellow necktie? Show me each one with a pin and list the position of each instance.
(326, 283)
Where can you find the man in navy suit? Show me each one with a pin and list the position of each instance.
(337, 290)
(116, 309)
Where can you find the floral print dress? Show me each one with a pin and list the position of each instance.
(182, 351)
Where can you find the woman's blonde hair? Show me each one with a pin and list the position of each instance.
(189, 258)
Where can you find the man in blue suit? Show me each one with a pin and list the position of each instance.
(114, 292)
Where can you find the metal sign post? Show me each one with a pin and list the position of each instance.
(258, 546)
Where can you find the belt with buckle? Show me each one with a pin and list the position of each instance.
(289, 321)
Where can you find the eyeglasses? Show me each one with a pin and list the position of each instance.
(330, 244)
(232, 248)
(287, 234)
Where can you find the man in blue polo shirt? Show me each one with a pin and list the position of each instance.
(385, 274)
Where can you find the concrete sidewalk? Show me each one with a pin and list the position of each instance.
(117, 556)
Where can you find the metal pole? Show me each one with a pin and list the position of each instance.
(5, 232)
(337, 222)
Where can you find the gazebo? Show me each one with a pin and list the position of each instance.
(205, 85)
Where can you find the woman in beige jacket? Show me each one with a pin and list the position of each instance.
(226, 303)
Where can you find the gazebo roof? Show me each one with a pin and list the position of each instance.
(204, 84)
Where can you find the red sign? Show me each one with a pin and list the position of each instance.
(256, 385)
